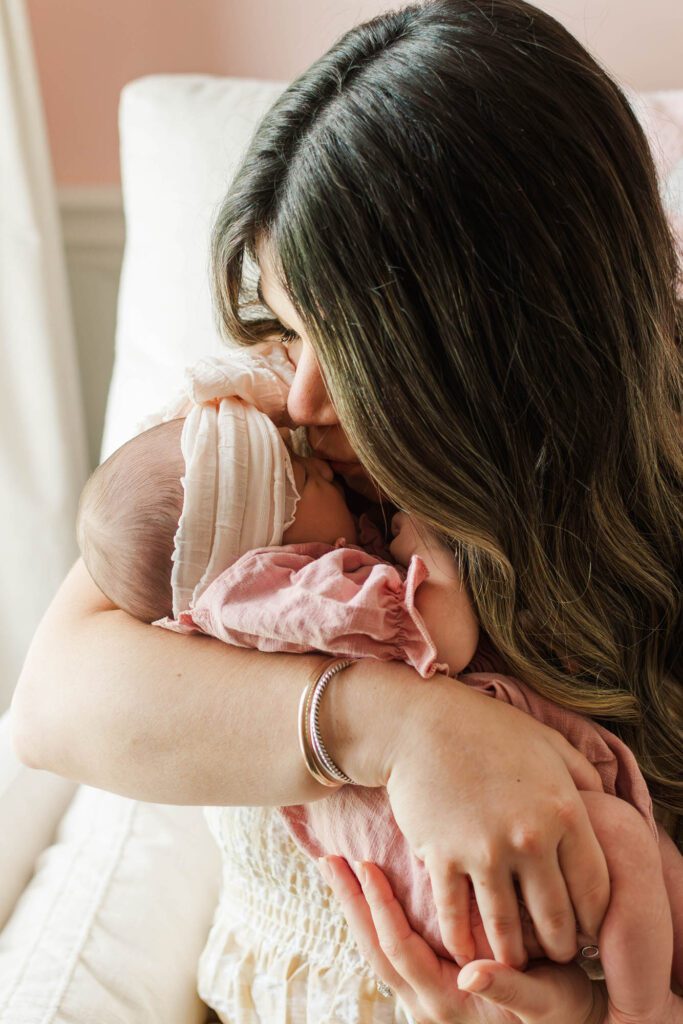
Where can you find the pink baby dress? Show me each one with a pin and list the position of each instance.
(347, 602)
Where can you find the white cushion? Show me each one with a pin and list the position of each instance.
(181, 139)
(111, 927)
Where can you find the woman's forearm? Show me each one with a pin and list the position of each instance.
(153, 715)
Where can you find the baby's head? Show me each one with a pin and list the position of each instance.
(130, 508)
(127, 519)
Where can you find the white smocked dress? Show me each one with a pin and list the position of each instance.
(279, 950)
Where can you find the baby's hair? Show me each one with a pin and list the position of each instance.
(127, 518)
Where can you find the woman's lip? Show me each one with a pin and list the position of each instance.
(342, 467)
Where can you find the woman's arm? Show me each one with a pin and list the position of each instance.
(153, 715)
(476, 786)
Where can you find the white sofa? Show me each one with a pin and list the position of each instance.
(105, 903)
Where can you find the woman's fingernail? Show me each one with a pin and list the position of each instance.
(461, 960)
(477, 982)
(326, 871)
(361, 872)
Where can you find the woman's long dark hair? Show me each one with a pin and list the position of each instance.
(465, 214)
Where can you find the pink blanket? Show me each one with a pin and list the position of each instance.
(305, 597)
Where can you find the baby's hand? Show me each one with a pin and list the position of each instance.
(412, 538)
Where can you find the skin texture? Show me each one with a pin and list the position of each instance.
(321, 512)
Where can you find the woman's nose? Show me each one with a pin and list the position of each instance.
(308, 403)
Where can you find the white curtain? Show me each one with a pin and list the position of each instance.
(42, 435)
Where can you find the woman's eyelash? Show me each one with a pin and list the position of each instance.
(288, 336)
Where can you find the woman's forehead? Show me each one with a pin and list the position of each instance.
(267, 262)
(271, 292)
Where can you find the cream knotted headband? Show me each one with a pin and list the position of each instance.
(239, 484)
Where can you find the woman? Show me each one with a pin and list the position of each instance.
(457, 223)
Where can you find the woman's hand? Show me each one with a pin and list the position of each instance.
(496, 799)
(436, 991)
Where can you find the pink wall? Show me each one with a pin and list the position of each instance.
(88, 49)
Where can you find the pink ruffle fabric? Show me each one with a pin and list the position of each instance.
(318, 597)
(345, 601)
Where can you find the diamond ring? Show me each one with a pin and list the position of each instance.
(384, 989)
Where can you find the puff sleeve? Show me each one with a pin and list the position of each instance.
(315, 597)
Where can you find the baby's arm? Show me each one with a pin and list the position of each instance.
(442, 600)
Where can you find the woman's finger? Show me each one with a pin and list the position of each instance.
(542, 995)
(499, 910)
(583, 773)
(408, 952)
(349, 893)
(425, 983)
(439, 990)
(518, 992)
(584, 867)
(452, 897)
(546, 898)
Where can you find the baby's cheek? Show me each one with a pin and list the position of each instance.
(297, 533)
(348, 525)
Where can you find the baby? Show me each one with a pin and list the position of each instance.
(186, 490)
(171, 509)
(131, 507)
(209, 522)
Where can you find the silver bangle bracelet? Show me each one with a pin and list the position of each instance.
(316, 757)
(314, 722)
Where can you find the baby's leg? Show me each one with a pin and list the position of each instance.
(636, 938)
